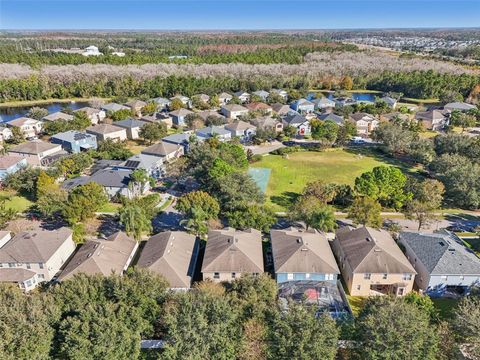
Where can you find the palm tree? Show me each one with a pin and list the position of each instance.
(135, 220)
(323, 219)
(195, 222)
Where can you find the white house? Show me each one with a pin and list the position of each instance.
(108, 131)
(36, 152)
(241, 129)
(29, 127)
(243, 96)
(233, 111)
(95, 115)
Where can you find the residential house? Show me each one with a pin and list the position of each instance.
(29, 127)
(208, 132)
(162, 103)
(303, 106)
(113, 107)
(365, 123)
(58, 116)
(394, 116)
(459, 106)
(75, 141)
(136, 106)
(37, 152)
(344, 101)
(302, 255)
(337, 119)
(262, 94)
(281, 109)
(182, 139)
(32, 257)
(259, 106)
(299, 122)
(281, 93)
(108, 131)
(95, 115)
(372, 263)
(233, 111)
(242, 96)
(224, 98)
(116, 181)
(164, 118)
(443, 263)
(104, 257)
(209, 113)
(10, 164)
(230, 253)
(323, 103)
(172, 254)
(269, 123)
(391, 102)
(153, 165)
(241, 129)
(178, 116)
(132, 126)
(5, 133)
(184, 99)
(166, 150)
(432, 120)
(203, 97)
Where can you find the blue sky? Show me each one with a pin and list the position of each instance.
(234, 14)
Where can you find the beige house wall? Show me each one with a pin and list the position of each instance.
(223, 276)
(360, 286)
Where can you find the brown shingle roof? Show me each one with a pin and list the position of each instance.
(104, 129)
(161, 149)
(101, 256)
(369, 250)
(9, 160)
(229, 250)
(302, 251)
(15, 275)
(34, 147)
(254, 106)
(239, 125)
(170, 254)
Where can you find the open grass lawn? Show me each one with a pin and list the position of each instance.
(109, 208)
(290, 175)
(356, 304)
(472, 243)
(445, 307)
(136, 146)
(15, 201)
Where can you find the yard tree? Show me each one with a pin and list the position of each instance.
(176, 104)
(346, 83)
(44, 184)
(194, 121)
(254, 216)
(7, 214)
(80, 121)
(198, 103)
(385, 184)
(365, 211)
(84, 201)
(326, 131)
(214, 101)
(74, 165)
(26, 324)
(214, 120)
(135, 220)
(219, 169)
(120, 114)
(24, 180)
(149, 109)
(322, 191)
(423, 302)
(37, 113)
(299, 333)
(346, 132)
(313, 212)
(467, 323)
(196, 221)
(461, 119)
(391, 329)
(201, 200)
(17, 136)
(111, 150)
(289, 131)
(138, 181)
(151, 132)
(394, 138)
(427, 197)
(421, 151)
(238, 190)
(52, 202)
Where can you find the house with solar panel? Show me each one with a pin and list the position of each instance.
(75, 141)
(443, 263)
(153, 165)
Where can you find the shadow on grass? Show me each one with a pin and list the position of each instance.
(286, 199)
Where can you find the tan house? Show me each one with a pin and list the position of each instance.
(173, 255)
(37, 152)
(432, 120)
(269, 123)
(259, 106)
(31, 257)
(233, 111)
(110, 256)
(365, 123)
(372, 263)
(95, 115)
(230, 253)
(166, 150)
(136, 106)
(29, 127)
(58, 116)
(280, 109)
(108, 131)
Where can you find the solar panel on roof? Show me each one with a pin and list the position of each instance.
(79, 136)
(132, 164)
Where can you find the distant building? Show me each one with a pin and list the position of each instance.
(459, 106)
(337, 119)
(323, 103)
(241, 129)
(165, 150)
(113, 107)
(242, 96)
(153, 165)
(11, 164)
(162, 103)
(432, 120)
(37, 152)
(233, 111)
(132, 126)
(182, 139)
(5, 133)
(281, 109)
(281, 93)
(299, 122)
(224, 98)
(178, 116)
(108, 131)
(58, 116)
(75, 141)
(29, 127)
(208, 132)
(365, 123)
(95, 115)
(136, 106)
(259, 106)
(391, 102)
(303, 106)
(91, 51)
(186, 101)
(262, 94)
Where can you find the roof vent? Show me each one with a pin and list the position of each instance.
(299, 240)
(441, 243)
(368, 239)
(304, 249)
(90, 254)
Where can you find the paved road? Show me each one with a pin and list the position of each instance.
(266, 148)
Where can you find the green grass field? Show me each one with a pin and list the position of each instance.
(14, 201)
(290, 175)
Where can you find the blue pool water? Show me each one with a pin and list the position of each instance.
(261, 176)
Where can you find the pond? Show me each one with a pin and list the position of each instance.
(355, 96)
(10, 113)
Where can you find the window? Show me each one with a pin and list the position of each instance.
(1, 265)
(307, 276)
(40, 265)
(289, 276)
(28, 283)
(28, 266)
(385, 276)
(234, 275)
(367, 276)
(462, 277)
(255, 274)
(358, 287)
(407, 276)
(216, 275)
(328, 276)
(11, 265)
(41, 276)
(401, 291)
(444, 277)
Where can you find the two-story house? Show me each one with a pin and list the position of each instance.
(75, 141)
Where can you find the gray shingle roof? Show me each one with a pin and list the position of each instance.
(35, 147)
(292, 119)
(332, 117)
(211, 131)
(112, 178)
(442, 253)
(129, 123)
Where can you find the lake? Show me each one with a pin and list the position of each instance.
(10, 113)
(355, 96)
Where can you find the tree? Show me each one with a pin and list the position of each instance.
(395, 138)
(176, 104)
(346, 83)
(44, 184)
(346, 132)
(394, 329)
(366, 211)
(213, 120)
(37, 113)
(196, 222)
(52, 202)
(467, 323)
(74, 165)
(138, 181)
(152, 132)
(313, 212)
(289, 131)
(120, 114)
(238, 190)
(214, 101)
(326, 131)
(201, 200)
(300, 334)
(150, 108)
(463, 120)
(84, 201)
(24, 180)
(385, 184)
(253, 216)
(135, 220)
(80, 121)
(421, 150)
(18, 136)
(111, 150)
(6, 214)
(323, 192)
(194, 121)
(427, 197)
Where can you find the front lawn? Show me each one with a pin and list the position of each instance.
(290, 174)
(15, 201)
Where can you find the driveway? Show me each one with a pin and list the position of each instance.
(265, 148)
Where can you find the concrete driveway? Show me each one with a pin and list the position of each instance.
(265, 148)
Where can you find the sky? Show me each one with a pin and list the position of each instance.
(235, 14)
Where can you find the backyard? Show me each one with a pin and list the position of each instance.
(15, 201)
(289, 175)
